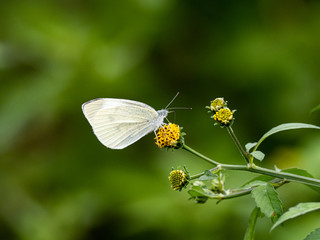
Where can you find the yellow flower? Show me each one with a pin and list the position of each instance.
(168, 135)
(217, 104)
(223, 116)
(178, 179)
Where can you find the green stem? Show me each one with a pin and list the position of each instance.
(236, 193)
(189, 149)
(284, 175)
(255, 169)
(242, 192)
(236, 141)
(252, 224)
(232, 194)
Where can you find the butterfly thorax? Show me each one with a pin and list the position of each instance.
(161, 115)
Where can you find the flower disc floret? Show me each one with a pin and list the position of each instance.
(178, 179)
(168, 135)
(223, 116)
(217, 104)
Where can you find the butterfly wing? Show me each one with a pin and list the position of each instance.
(118, 123)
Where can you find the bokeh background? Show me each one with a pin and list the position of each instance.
(58, 182)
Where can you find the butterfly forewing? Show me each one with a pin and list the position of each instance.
(118, 122)
(91, 108)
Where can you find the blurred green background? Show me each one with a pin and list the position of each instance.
(58, 182)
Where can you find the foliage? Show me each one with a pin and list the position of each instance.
(301, 208)
(210, 184)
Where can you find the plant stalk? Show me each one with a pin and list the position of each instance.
(250, 233)
(255, 169)
(236, 141)
(189, 149)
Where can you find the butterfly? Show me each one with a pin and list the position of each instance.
(118, 123)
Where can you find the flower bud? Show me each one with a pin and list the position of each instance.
(178, 179)
(217, 104)
(224, 116)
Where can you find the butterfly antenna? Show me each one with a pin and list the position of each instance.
(179, 108)
(172, 100)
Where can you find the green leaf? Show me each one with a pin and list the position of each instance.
(314, 235)
(252, 224)
(304, 173)
(254, 184)
(248, 146)
(198, 191)
(258, 155)
(298, 210)
(199, 194)
(261, 178)
(283, 127)
(267, 199)
(208, 173)
(316, 108)
(207, 176)
(297, 171)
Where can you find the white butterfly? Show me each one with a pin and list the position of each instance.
(118, 123)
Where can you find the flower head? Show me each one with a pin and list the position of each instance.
(224, 116)
(168, 136)
(217, 104)
(178, 179)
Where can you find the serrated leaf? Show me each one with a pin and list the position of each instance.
(301, 172)
(283, 127)
(298, 210)
(249, 146)
(267, 199)
(314, 235)
(258, 155)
